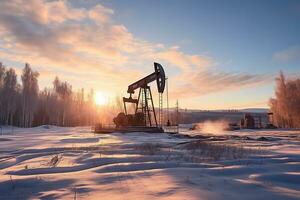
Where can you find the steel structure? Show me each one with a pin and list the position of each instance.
(144, 103)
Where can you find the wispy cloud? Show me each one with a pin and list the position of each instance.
(205, 82)
(290, 54)
(86, 44)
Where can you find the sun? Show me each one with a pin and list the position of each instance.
(100, 98)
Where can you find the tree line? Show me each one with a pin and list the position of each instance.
(286, 104)
(24, 105)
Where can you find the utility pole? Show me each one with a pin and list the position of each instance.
(177, 116)
(168, 113)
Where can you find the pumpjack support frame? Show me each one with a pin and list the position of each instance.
(144, 102)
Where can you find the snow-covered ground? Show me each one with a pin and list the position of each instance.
(73, 163)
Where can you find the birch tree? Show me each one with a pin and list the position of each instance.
(2, 74)
(29, 94)
(10, 95)
(64, 91)
(24, 105)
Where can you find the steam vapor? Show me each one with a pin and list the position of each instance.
(212, 127)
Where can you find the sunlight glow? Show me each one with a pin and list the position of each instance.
(100, 99)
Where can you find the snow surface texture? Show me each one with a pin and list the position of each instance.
(72, 163)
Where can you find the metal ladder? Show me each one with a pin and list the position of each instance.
(160, 109)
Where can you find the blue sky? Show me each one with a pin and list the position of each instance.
(241, 35)
(218, 54)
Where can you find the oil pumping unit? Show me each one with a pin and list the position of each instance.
(144, 111)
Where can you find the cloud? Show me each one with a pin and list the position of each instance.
(41, 11)
(100, 14)
(205, 82)
(290, 54)
(185, 62)
(87, 47)
(52, 34)
(61, 42)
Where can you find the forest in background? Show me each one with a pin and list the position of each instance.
(25, 105)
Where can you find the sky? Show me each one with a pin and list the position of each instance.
(216, 54)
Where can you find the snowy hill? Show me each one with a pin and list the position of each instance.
(255, 110)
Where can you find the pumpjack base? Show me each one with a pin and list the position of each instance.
(145, 129)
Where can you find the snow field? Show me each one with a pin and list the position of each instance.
(69, 163)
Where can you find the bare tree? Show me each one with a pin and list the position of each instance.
(2, 74)
(286, 104)
(24, 105)
(64, 91)
(29, 94)
(10, 94)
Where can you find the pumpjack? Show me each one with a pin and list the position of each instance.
(144, 117)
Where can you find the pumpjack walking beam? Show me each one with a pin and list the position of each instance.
(158, 75)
